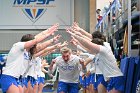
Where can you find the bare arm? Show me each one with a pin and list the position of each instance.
(52, 67)
(40, 37)
(77, 43)
(94, 48)
(47, 49)
(87, 61)
(76, 27)
(48, 32)
(47, 53)
(45, 44)
(44, 70)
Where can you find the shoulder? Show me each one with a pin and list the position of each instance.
(75, 57)
(19, 45)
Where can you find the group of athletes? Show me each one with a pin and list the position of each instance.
(94, 65)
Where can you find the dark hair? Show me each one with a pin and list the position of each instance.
(98, 34)
(97, 41)
(32, 50)
(27, 37)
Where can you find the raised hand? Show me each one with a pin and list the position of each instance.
(65, 43)
(69, 31)
(48, 32)
(73, 42)
(56, 38)
(44, 64)
(52, 29)
(76, 27)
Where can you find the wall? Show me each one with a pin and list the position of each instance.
(81, 15)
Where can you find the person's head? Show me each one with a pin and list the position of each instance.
(97, 41)
(98, 34)
(66, 52)
(27, 37)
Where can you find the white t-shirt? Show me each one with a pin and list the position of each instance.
(33, 70)
(15, 60)
(68, 72)
(96, 68)
(107, 63)
(39, 70)
(25, 64)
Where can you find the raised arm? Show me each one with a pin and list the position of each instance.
(48, 32)
(47, 49)
(76, 27)
(40, 37)
(92, 48)
(79, 33)
(47, 53)
(45, 44)
(78, 44)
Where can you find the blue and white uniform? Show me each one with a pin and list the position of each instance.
(32, 74)
(109, 68)
(40, 74)
(87, 79)
(14, 64)
(68, 74)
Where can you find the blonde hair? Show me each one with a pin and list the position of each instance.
(65, 50)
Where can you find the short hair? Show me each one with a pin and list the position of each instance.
(97, 41)
(98, 34)
(27, 37)
(65, 50)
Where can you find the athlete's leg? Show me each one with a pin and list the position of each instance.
(35, 88)
(13, 89)
(40, 87)
(114, 91)
(30, 88)
(20, 89)
(101, 88)
(92, 90)
(25, 89)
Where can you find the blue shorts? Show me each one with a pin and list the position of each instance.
(88, 80)
(25, 82)
(117, 83)
(19, 81)
(80, 80)
(67, 87)
(92, 78)
(41, 80)
(7, 81)
(85, 82)
(32, 80)
(100, 80)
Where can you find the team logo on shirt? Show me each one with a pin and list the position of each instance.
(67, 67)
(26, 56)
(33, 9)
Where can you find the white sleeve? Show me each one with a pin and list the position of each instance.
(92, 70)
(19, 45)
(107, 45)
